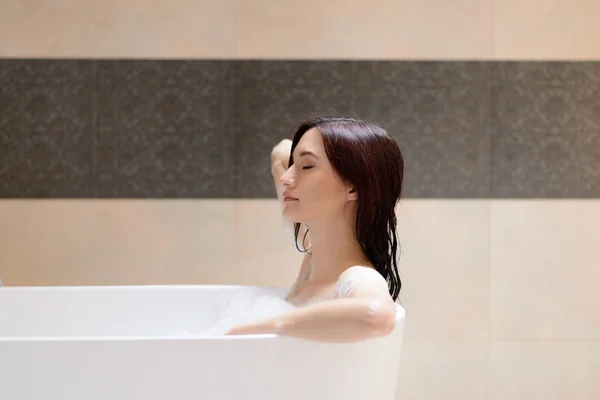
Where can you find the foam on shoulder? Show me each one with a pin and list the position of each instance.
(365, 279)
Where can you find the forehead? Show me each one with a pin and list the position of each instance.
(312, 141)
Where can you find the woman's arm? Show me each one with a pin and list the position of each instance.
(366, 312)
(280, 156)
(278, 169)
(337, 321)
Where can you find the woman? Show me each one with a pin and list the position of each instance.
(339, 180)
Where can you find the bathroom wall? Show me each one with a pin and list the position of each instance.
(135, 140)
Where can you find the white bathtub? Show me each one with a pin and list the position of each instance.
(122, 343)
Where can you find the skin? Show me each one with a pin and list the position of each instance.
(315, 196)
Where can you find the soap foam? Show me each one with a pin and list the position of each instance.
(246, 305)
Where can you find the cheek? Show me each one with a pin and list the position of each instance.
(320, 195)
(328, 196)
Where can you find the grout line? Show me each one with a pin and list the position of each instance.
(234, 33)
(495, 341)
(490, 248)
(490, 129)
(546, 340)
(488, 368)
(492, 36)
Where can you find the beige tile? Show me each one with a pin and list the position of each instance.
(444, 268)
(58, 242)
(546, 29)
(438, 29)
(384, 29)
(545, 269)
(264, 254)
(449, 370)
(115, 28)
(541, 370)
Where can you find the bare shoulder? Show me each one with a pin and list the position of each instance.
(361, 281)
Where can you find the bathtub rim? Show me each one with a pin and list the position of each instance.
(149, 286)
(400, 315)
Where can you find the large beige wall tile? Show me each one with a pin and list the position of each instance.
(445, 30)
(546, 29)
(544, 370)
(449, 370)
(264, 254)
(444, 268)
(117, 29)
(56, 242)
(545, 269)
(355, 29)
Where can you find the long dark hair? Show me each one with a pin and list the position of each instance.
(368, 158)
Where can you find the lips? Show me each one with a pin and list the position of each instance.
(287, 197)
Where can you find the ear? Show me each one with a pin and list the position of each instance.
(352, 194)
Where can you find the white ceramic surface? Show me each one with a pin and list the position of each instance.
(146, 342)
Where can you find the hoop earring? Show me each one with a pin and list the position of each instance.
(304, 243)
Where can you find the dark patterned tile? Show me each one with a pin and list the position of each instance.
(46, 130)
(164, 129)
(546, 129)
(271, 99)
(10, 102)
(187, 128)
(439, 114)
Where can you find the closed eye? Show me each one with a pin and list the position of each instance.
(308, 167)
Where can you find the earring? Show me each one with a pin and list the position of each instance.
(304, 243)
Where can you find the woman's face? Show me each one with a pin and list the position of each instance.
(313, 189)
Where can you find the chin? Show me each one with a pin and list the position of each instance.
(289, 216)
(290, 213)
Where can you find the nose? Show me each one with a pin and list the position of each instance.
(287, 179)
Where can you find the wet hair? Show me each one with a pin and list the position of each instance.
(368, 158)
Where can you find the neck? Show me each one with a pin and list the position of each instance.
(334, 248)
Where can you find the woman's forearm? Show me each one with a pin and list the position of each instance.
(278, 169)
(340, 320)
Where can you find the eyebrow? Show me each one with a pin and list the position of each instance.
(308, 153)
